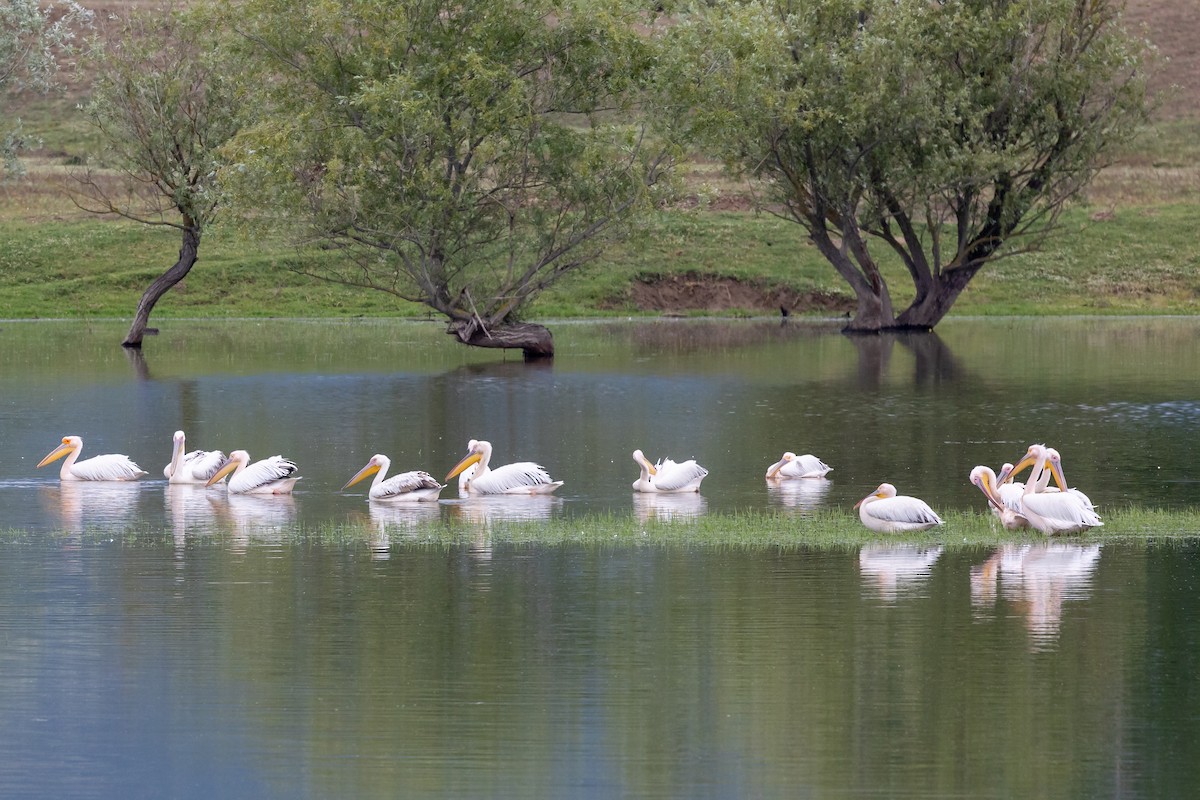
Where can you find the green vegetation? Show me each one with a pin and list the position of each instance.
(749, 529)
(1127, 247)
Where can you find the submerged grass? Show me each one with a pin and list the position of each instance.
(827, 530)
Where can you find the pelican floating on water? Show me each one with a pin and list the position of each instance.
(194, 467)
(109, 467)
(522, 477)
(794, 466)
(272, 475)
(407, 487)
(667, 476)
(886, 512)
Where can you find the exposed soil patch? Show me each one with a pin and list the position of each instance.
(695, 292)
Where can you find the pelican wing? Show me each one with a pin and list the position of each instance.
(1010, 495)
(805, 466)
(522, 477)
(202, 464)
(903, 510)
(1060, 512)
(415, 485)
(672, 477)
(262, 474)
(109, 467)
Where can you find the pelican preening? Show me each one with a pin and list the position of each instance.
(522, 477)
(274, 475)
(110, 467)
(666, 476)
(883, 511)
(1049, 509)
(194, 467)
(1010, 515)
(794, 466)
(407, 487)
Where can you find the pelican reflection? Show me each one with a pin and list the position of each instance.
(804, 493)
(402, 519)
(91, 504)
(259, 518)
(487, 509)
(1037, 579)
(668, 507)
(895, 569)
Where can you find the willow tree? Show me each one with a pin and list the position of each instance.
(32, 37)
(946, 134)
(462, 154)
(163, 103)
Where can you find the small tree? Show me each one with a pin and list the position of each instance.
(163, 105)
(462, 154)
(31, 38)
(947, 132)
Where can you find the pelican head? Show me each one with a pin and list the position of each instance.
(1055, 461)
(69, 444)
(986, 480)
(237, 458)
(884, 490)
(1032, 457)
(377, 462)
(773, 470)
(644, 462)
(476, 452)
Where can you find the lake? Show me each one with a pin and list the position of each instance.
(173, 641)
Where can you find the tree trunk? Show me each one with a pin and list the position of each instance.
(927, 311)
(535, 341)
(189, 252)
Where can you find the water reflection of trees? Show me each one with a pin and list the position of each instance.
(933, 362)
(689, 335)
(1037, 579)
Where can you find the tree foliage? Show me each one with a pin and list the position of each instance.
(945, 131)
(164, 104)
(32, 36)
(463, 155)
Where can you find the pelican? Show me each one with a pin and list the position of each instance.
(794, 466)
(522, 477)
(1011, 518)
(407, 487)
(110, 467)
(668, 477)
(194, 467)
(884, 511)
(1007, 490)
(270, 476)
(1053, 512)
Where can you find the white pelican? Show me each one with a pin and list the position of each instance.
(886, 512)
(666, 476)
(1054, 512)
(110, 467)
(270, 476)
(1011, 518)
(194, 467)
(1007, 490)
(408, 487)
(794, 466)
(522, 477)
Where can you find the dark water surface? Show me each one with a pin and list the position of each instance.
(175, 642)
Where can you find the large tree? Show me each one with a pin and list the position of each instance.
(462, 154)
(947, 133)
(32, 37)
(164, 106)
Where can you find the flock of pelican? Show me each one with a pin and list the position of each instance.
(1033, 504)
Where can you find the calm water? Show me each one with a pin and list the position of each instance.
(158, 643)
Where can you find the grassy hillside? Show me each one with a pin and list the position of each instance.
(1128, 247)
